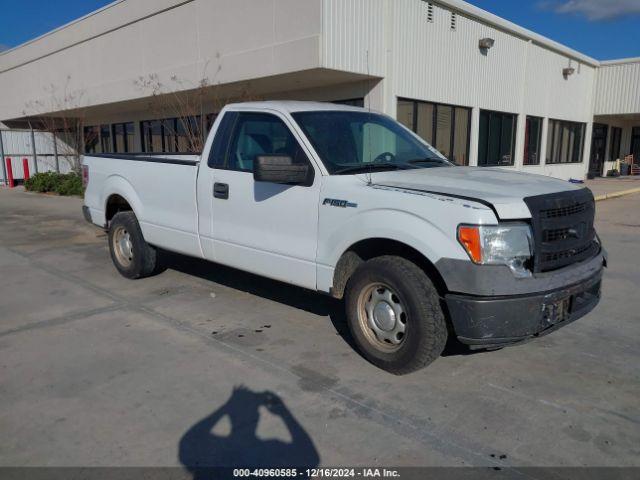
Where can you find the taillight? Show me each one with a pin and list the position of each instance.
(85, 175)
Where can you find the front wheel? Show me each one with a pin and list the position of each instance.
(394, 315)
(131, 254)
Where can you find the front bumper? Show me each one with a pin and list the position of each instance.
(490, 322)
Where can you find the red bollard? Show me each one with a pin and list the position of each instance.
(25, 168)
(12, 183)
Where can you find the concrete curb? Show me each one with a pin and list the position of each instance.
(621, 193)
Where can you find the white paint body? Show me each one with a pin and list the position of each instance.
(286, 232)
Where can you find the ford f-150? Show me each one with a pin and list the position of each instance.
(349, 202)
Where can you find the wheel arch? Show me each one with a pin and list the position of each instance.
(115, 203)
(119, 195)
(366, 249)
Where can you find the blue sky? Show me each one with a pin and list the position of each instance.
(603, 29)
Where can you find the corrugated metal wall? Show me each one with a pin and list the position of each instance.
(351, 28)
(17, 144)
(431, 61)
(548, 94)
(618, 89)
(434, 62)
(424, 51)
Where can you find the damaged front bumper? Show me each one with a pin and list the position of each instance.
(493, 322)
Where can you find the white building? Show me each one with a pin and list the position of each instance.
(481, 89)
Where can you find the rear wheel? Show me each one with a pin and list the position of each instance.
(394, 315)
(132, 256)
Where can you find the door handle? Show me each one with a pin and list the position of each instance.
(221, 190)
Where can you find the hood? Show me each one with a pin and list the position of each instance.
(503, 189)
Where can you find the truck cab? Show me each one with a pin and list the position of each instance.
(350, 203)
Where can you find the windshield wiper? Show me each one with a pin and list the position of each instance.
(427, 160)
(368, 167)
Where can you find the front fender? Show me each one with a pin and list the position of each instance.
(391, 224)
(385, 223)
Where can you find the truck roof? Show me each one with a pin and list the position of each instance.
(291, 106)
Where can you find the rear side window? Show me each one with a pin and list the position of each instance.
(218, 155)
(258, 134)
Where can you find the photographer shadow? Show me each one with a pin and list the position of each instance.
(201, 448)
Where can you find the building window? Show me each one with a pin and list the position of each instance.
(614, 148)
(159, 136)
(169, 134)
(123, 135)
(176, 135)
(105, 139)
(446, 127)
(97, 139)
(185, 133)
(192, 133)
(91, 139)
(532, 138)
(210, 120)
(565, 142)
(152, 140)
(497, 138)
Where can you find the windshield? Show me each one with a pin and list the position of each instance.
(355, 141)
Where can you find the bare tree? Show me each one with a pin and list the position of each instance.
(67, 127)
(189, 103)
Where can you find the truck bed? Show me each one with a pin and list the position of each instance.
(161, 190)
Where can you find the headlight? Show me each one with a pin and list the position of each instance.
(507, 244)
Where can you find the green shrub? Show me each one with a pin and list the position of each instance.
(70, 184)
(60, 183)
(42, 182)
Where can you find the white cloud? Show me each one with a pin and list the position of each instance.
(595, 10)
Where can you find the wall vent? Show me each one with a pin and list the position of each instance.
(430, 12)
(454, 20)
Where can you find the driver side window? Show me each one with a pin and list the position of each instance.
(257, 134)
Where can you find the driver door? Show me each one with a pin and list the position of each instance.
(265, 228)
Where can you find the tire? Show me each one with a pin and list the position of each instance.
(411, 328)
(132, 256)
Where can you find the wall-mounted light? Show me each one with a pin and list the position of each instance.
(567, 72)
(486, 43)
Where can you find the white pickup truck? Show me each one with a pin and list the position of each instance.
(350, 203)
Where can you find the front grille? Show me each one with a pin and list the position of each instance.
(562, 228)
(556, 234)
(556, 256)
(563, 211)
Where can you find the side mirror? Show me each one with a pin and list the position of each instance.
(281, 169)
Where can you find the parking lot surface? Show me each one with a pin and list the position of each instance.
(208, 365)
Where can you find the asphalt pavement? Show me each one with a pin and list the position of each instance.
(204, 364)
